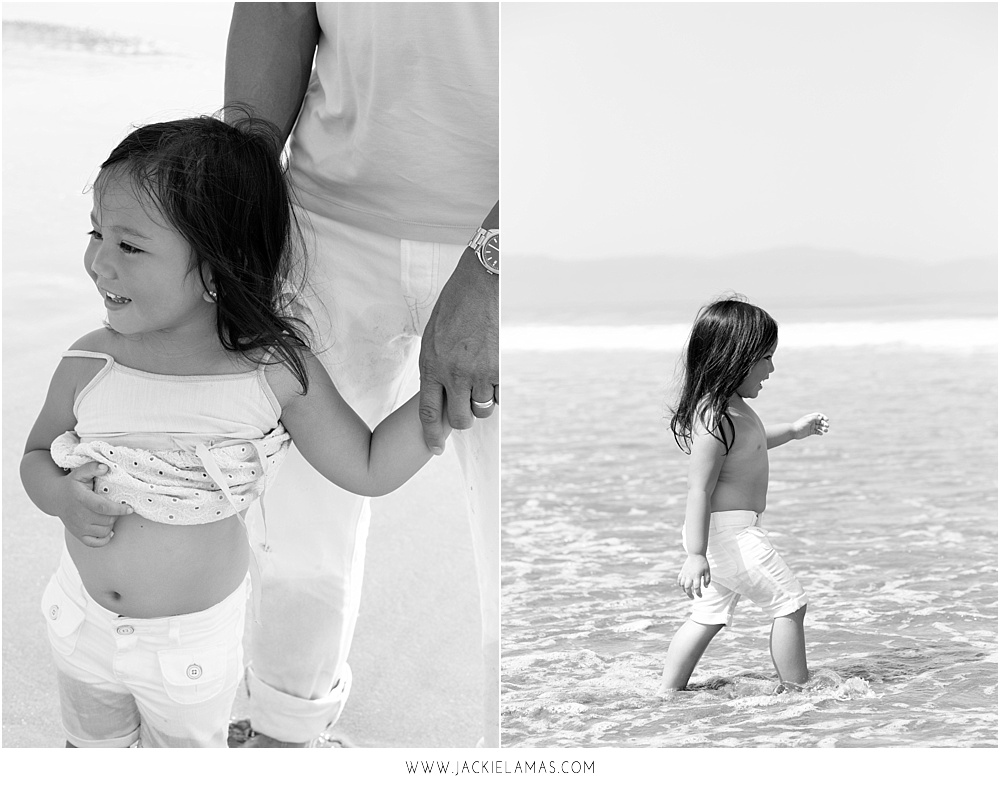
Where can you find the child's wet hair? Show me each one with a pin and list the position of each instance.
(728, 337)
(222, 186)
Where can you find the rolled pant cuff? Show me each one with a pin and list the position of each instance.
(124, 741)
(292, 719)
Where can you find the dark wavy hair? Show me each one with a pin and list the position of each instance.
(222, 186)
(728, 337)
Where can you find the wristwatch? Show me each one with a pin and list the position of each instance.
(486, 244)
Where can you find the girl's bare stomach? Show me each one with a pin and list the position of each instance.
(150, 569)
(740, 496)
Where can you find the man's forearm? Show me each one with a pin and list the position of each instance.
(269, 59)
(469, 261)
(492, 221)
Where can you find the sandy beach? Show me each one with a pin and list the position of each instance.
(416, 654)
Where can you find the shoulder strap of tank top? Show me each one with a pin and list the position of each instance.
(264, 385)
(109, 363)
(85, 353)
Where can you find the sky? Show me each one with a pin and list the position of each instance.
(718, 128)
(715, 128)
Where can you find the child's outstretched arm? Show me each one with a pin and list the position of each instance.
(340, 446)
(707, 456)
(68, 496)
(815, 424)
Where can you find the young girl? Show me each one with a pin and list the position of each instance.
(729, 356)
(173, 420)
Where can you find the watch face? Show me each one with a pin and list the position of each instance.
(491, 252)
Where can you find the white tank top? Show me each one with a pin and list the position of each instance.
(152, 409)
(180, 449)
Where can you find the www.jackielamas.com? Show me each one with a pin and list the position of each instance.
(458, 767)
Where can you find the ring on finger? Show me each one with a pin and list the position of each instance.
(483, 404)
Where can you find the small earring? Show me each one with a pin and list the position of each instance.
(210, 296)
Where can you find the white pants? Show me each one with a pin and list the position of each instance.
(370, 299)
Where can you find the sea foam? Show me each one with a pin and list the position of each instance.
(960, 334)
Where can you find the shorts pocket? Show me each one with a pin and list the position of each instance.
(64, 618)
(194, 675)
(725, 562)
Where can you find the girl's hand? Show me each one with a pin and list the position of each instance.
(693, 574)
(88, 516)
(815, 424)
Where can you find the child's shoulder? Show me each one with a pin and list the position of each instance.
(88, 355)
(707, 427)
(76, 371)
(714, 427)
(281, 378)
(707, 420)
(98, 341)
(740, 410)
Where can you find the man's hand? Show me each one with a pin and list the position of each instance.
(460, 352)
(694, 574)
(87, 515)
(815, 424)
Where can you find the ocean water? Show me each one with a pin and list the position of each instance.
(889, 521)
(957, 334)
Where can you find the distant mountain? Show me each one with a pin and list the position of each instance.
(794, 283)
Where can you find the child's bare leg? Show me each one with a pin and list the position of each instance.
(689, 643)
(788, 647)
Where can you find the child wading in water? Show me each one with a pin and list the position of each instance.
(729, 356)
(172, 420)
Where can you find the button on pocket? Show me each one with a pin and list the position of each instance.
(63, 616)
(195, 675)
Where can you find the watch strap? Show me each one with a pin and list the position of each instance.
(478, 244)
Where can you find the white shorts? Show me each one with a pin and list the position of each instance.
(744, 564)
(166, 682)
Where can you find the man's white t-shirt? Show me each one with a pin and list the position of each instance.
(399, 129)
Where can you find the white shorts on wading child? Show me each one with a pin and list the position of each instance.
(744, 564)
